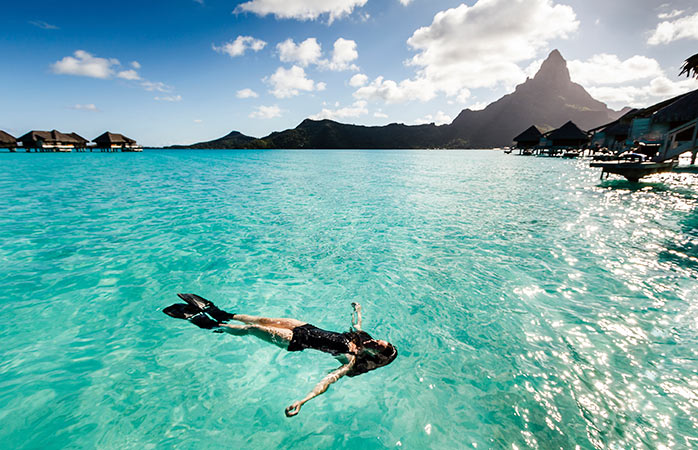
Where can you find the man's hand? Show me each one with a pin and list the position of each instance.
(293, 409)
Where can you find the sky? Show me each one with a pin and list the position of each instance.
(184, 71)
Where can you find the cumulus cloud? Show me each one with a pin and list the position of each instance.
(343, 54)
(380, 115)
(246, 93)
(441, 118)
(670, 31)
(239, 46)
(670, 15)
(358, 80)
(355, 110)
(88, 107)
(405, 2)
(301, 9)
(303, 54)
(609, 69)
(479, 46)
(637, 81)
(287, 83)
(656, 90)
(169, 98)
(85, 64)
(82, 63)
(129, 74)
(391, 92)
(266, 112)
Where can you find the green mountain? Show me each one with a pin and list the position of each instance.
(547, 100)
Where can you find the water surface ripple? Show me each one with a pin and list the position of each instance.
(533, 305)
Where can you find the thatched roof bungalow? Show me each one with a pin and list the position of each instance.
(51, 140)
(568, 136)
(109, 140)
(7, 141)
(529, 138)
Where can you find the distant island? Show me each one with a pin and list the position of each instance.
(547, 100)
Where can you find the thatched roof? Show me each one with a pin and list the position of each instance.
(80, 140)
(112, 138)
(684, 109)
(49, 137)
(532, 134)
(7, 139)
(568, 132)
(690, 67)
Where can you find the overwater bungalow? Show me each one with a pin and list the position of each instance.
(80, 142)
(568, 136)
(528, 140)
(50, 141)
(7, 141)
(568, 140)
(114, 142)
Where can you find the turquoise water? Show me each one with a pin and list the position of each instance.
(533, 306)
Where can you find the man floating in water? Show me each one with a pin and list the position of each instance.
(356, 349)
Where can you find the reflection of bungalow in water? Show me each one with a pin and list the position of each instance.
(52, 141)
(528, 140)
(114, 142)
(7, 141)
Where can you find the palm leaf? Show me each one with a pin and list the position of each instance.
(690, 67)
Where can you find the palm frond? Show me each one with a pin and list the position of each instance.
(690, 67)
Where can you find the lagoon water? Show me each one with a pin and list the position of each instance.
(533, 305)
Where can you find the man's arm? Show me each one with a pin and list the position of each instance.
(356, 316)
(321, 387)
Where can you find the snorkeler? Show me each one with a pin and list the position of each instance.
(356, 349)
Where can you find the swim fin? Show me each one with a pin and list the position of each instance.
(194, 315)
(206, 306)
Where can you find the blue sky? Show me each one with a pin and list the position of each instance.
(182, 71)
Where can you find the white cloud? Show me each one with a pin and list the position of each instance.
(441, 118)
(136, 65)
(479, 46)
(358, 80)
(266, 112)
(169, 98)
(355, 110)
(479, 106)
(667, 31)
(246, 93)
(609, 69)
(129, 74)
(658, 89)
(287, 83)
(240, 45)
(198, 121)
(86, 65)
(405, 2)
(301, 9)
(342, 56)
(670, 15)
(392, 92)
(43, 25)
(87, 107)
(380, 115)
(156, 86)
(303, 54)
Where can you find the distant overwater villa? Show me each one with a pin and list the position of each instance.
(55, 141)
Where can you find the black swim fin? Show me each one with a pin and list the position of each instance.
(206, 306)
(194, 315)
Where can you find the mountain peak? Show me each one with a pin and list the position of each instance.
(554, 70)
